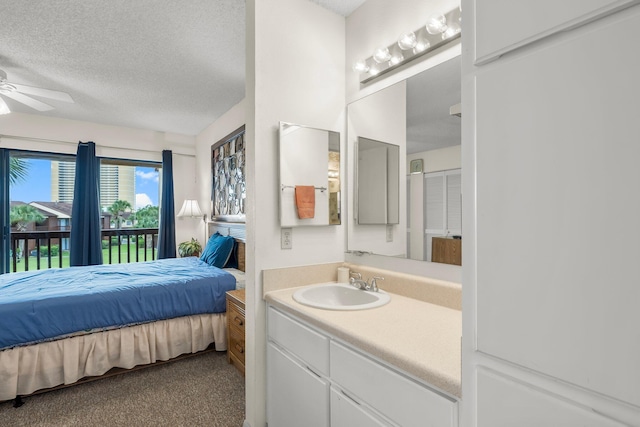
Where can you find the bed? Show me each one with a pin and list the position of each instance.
(59, 326)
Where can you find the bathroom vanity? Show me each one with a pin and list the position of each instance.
(395, 365)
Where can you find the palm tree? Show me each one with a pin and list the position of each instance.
(18, 170)
(147, 217)
(117, 209)
(22, 215)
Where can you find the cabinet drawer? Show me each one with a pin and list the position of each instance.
(236, 344)
(235, 316)
(300, 340)
(397, 397)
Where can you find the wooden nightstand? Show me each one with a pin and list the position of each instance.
(235, 328)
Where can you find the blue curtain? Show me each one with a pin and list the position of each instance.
(86, 241)
(4, 211)
(167, 229)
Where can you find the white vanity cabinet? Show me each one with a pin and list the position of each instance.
(348, 412)
(297, 371)
(399, 398)
(296, 395)
(313, 379)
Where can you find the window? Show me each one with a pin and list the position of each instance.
(40, 202)
(41, 189)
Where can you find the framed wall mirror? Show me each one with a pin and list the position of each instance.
(309, 176)
(421, 117)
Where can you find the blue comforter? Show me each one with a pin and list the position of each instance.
(44, 304)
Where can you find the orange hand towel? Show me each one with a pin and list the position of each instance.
(306, 201)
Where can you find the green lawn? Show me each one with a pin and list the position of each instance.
(33, 261)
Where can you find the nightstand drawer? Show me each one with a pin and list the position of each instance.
(235, 317)
(235, 328)
(236, 344)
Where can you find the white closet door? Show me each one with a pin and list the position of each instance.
(454, 202)
(434, 202)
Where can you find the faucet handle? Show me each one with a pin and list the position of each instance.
(355, 275)
(374, 284)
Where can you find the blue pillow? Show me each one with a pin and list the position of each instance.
(218, 250)
(232, 262)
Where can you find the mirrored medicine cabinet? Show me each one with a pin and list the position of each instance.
(378, 182)
(309, 157)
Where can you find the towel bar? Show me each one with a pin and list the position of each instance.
(282, 187)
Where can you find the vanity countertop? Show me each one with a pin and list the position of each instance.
(420, 338)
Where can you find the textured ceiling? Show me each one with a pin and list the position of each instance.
(163, 65)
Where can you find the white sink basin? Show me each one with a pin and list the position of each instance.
(340, 296)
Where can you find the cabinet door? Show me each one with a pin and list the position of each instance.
(557, 155)
(394, 396)
(295, 395)
(346, 412)
(500, 27)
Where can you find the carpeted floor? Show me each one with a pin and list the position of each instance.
(202, 390)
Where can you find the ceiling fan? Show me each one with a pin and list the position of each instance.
(19, 93)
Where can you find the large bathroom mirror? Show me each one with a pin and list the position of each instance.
(378, 182)
(309, 176)
(421, 116)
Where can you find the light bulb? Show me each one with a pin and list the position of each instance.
(451, 31)
(360, 66)
(436, 24)
(422, 45)
(374, 71)
(396, 58)
(381, 55)
(407, 41)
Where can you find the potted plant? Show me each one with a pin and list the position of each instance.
(190, 248)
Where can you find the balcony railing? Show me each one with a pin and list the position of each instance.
(38, 250)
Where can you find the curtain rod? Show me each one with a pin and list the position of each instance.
(56, 141)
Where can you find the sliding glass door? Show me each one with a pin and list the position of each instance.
(37, 191)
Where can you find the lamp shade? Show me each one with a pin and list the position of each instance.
(190, 208)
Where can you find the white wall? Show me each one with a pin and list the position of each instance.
(223, 126)
(379, 23)
(295, 73)
(54, 135)
(438, 160)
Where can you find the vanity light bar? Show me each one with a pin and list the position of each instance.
(438, 31)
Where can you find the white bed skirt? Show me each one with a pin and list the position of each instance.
(24, 370)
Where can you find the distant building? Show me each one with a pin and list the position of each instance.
(57, 218)
(117, 182)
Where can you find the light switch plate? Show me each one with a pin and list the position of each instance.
(389, 233)
(286, 237)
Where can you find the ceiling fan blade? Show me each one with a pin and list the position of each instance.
(24, 99)
(4, 108)
(45, 93)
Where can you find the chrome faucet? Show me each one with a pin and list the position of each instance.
(357, 281)
(373, 287)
